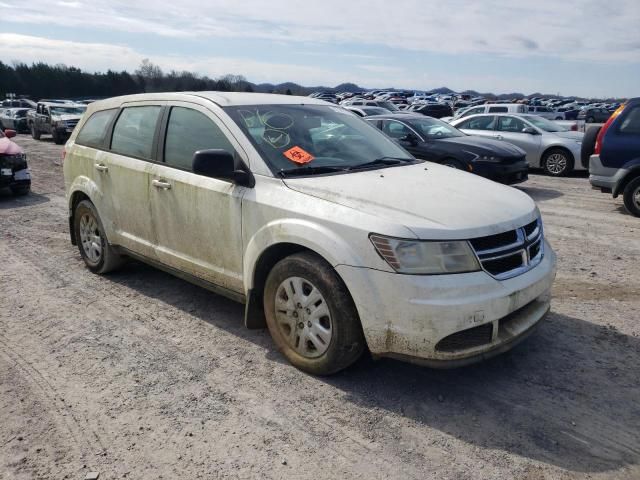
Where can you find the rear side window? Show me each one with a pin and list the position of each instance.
(134, 131)
(631, 123)
(498, 109)
(479, 123)
(189, 131)
(94, 130)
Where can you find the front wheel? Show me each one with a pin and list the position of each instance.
(557, 162)
(94, 248)
(35, 133)
(311, 316)
(631, 197)
(59, 138)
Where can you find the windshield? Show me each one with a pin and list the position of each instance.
(290, 137)
(543, 123)
(67, 110)
(433, 128)
(388, 105)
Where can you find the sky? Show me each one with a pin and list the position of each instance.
(573, 47)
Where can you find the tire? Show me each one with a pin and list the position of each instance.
(332, 319)
(97, 253)
(588, 145)
(20, 191)
(35, 133)
(631, 197)
(453, 163)
(58, 139)
(557, 162)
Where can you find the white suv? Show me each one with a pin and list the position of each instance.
(334, 236)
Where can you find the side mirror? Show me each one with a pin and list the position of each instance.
(221, 164)
(9, 133)
(410, 138)
(530, 130)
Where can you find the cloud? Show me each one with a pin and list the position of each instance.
(457, 26)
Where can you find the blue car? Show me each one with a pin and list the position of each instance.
(614, 166)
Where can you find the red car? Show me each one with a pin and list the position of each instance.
(14, 173)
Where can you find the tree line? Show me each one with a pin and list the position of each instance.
(41, 80)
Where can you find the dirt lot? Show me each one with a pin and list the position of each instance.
(141, 375)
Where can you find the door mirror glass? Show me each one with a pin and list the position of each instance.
(529, 130)
(216, 163)
(409, 138)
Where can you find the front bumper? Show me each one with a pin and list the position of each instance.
(420, 317)
(509, 174)
(605, 178)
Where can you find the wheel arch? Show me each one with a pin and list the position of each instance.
(634, 172)
(82, 188)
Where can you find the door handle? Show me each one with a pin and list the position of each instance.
(101, 167)
(161, 184)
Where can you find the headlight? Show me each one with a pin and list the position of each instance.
(426, 257)
(483, 158)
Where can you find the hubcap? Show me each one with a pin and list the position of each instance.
(303, 317)
(556, 163)
(636, 197)
(90, 238)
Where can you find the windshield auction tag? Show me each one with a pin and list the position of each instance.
(298, 155)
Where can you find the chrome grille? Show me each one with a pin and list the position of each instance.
(72, 123)
(511, 253)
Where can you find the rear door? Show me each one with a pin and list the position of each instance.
(133, 149)
(197, 219)
(509, 129)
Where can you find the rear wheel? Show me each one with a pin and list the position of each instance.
(311, 316)
(35, 133)
(557, 162)
(631, 197)
(94, 248)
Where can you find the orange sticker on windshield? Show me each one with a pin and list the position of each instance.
(298, 155)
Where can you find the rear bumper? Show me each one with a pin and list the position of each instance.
(605, 178)
(19, 178)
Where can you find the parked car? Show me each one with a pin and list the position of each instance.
(492, 108)
(367, 111)
(18, 103)
(335, 237)
(14, 172)
(436, 141)
(594, 115)
(435, 110)
(545, 112)
(56, 119)
(15, 119)
(548, 145)
(614, 166)
(370, 103)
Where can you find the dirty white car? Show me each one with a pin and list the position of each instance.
(334, 236)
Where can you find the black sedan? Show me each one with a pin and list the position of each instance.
(436, 141)
(435, 110)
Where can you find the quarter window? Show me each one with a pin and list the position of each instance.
(498, 109)
(631, 124)
(134, 131)
(94, 130)
(189, 131)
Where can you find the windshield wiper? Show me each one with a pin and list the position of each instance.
(383, 161)
(310, 170)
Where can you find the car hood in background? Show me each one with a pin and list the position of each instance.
(434, 201)
(7, 147)
(484, 146)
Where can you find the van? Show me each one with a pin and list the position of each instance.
(493, 108)
(333, 236)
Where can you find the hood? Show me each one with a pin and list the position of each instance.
(433, 201)
(570, 134)
(7, 147)
(487, 146)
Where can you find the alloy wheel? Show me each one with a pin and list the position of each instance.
(90, 238)
(556, 163)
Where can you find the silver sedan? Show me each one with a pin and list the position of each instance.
(547, 144)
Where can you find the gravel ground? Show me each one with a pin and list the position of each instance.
(142, 375)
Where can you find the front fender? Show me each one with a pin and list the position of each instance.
(316, 237)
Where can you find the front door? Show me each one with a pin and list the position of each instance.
(197, 219)
(510, 129)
